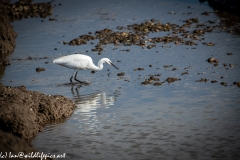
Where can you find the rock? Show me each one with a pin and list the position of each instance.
(24, 113)
(5, 63)
(237, 83)
(7, 34)
(212, 60)
(154, 78)
(40, 69)
(214, 81)
(184, 73)
(202, 80)
(167, 66)
(158, 83)
(225, 64)
(151, 79)
(147, 81)
(121, 74)
(135, 69)
(26, 9)
(223, 83)
(171, 79)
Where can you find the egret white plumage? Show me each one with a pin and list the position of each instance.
(81, 62)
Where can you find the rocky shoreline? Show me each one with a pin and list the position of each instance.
(23, 112)
(8, 35)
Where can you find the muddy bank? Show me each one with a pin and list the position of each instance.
(24, 113)
(8, 35)
(17, 11)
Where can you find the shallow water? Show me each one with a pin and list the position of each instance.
(117, 117)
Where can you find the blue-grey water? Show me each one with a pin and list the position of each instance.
(117, 117)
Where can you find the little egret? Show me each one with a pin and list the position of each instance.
(80, 62)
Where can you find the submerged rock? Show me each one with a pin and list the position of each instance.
(25, 9)
(223, 83)
(121, 74)
(158, 83)
(139, 69)
(237, 83)
(202, 80)
(40, 69)
(212, 60)
(172, 79)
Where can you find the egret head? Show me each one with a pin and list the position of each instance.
(110, 63)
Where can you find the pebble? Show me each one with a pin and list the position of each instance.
(212, 60)
(121, 74)
(172, 79)
(40, 69)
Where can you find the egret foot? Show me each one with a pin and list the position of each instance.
(85, 83)
(82, 82)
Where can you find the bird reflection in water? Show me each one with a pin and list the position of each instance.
(87, 105)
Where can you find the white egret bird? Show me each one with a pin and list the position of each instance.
(80, 62)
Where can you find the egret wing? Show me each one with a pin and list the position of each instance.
(75, 61)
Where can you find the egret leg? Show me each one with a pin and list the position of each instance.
(72, 76)
(75, 77)
(71, 80)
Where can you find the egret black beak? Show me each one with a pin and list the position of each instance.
(113, 65)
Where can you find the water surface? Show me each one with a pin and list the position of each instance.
(117, 117)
